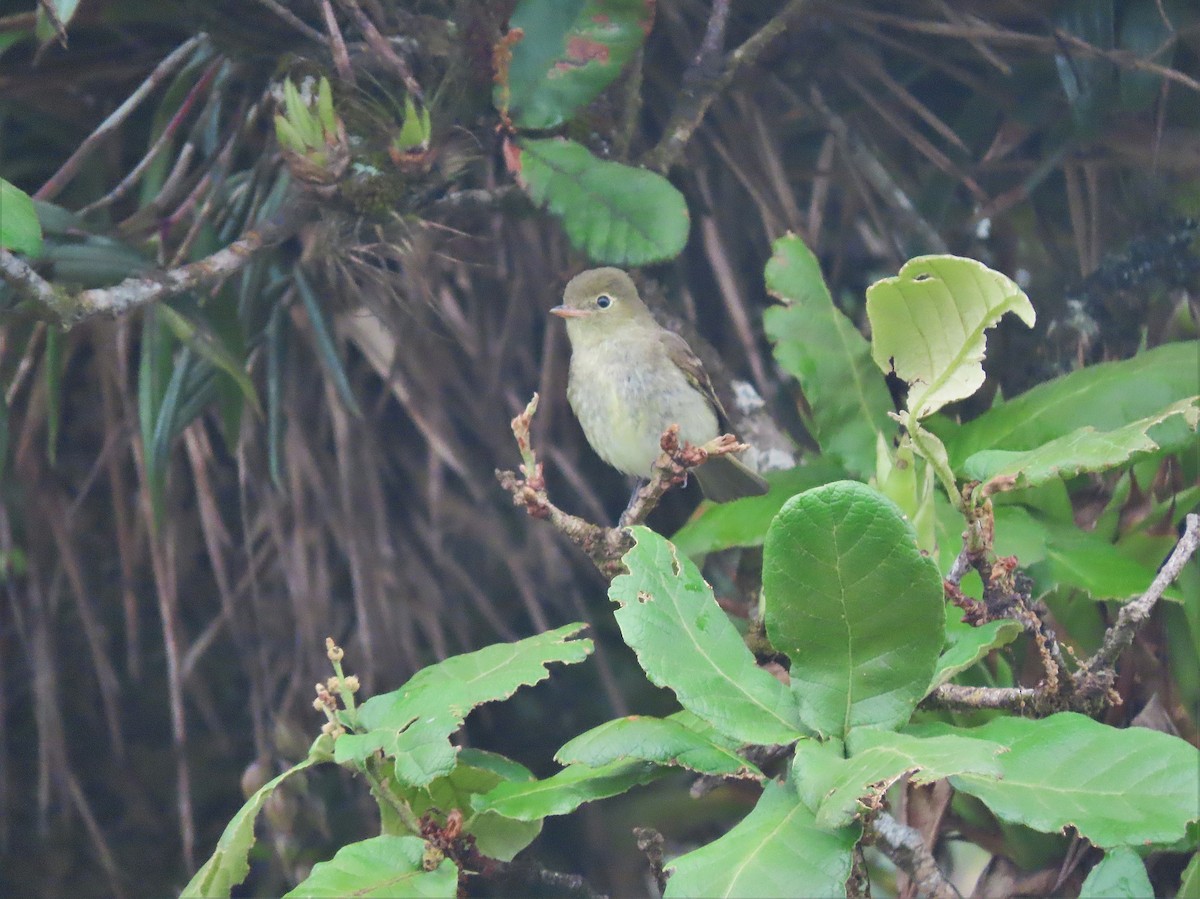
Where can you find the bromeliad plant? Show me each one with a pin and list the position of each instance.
(887, 659)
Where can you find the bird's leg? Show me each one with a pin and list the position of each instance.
(634, 505)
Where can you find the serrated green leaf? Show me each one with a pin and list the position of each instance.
(837, 789)
(1105, 396)
(1121, 874)
(1089, 449)
(967, 644)
(229, 863)
(928, 324)
(1115, 787)
(659, 740)
(744, 522)
(776, 850)
(384, 867)
(613, 212)
(413, 724)
(685, 642)
(569, 51)
(565, 791)
(819, 346)
(20, 230)
(849, 597)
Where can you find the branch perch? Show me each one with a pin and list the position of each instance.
(605, 546)
(70, 308)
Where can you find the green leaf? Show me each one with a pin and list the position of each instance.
(385, 867)
(64, 10)
(1059, 554)
(1088, 449)
(928, 325)
(1189, 884)
(413, 724)
(614, 213)
(1105, 396)
(54, 364)
(1121, 874)
(326, 349)
(684, 641)
(209, 347)
(659, 740)
(849, 597)
(838, 789)
(570, 51)
(565, 791)
(476, 773)
(19, 227)
(744, 522)
(818, 345)
(776, 850)
(966, 644)
(1116, 787)
(229, 863)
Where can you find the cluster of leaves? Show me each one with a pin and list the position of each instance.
(851, 596)
(558, 58)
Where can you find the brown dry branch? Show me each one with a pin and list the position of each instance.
(1091, 687)
(70, 308)
(907, 850)
(1096, 674)
(706, 78)
(605, 546)
(381, 48)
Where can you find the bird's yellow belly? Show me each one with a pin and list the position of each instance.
(624, 409)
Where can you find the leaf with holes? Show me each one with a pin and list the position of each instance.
(928, 325)
(685, 641)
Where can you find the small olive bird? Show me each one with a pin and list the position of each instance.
(630, 378)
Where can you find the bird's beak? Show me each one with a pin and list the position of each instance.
(568, 312)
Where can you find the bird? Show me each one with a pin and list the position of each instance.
(630, 378)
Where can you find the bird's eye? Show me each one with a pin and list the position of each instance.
(604, 301)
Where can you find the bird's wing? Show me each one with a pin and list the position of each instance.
(689, 363)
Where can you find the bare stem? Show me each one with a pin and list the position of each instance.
(904, 846)
(1133, 615)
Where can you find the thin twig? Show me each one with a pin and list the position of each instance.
(145, 289)
(704, 84)
(904, 846)
(169, 64)
(379, 44)
(295, 21)
(337, 45)
(956, 697)
(1134, 614)
(160, 143)
(28, 284)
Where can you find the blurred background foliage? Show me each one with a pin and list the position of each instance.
(196, 494)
